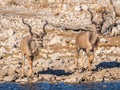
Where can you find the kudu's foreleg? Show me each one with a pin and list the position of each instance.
(77, 55)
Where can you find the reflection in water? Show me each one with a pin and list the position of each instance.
(61, 86)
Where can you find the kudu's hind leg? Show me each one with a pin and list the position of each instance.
(90, 56)
(30, 61)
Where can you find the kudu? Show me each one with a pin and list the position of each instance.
(89, 40)
(29, 46)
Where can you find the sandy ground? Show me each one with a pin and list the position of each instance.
(58, 63)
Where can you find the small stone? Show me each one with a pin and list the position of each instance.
(10, 32)
(11, 72)
(35, 79)
(71, 80)
(103, 40)
(3, 73)
(8, 78)
(22, 80)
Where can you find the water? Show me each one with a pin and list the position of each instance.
(61, 86)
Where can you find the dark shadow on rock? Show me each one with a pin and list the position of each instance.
(55, 72)
(105, 65)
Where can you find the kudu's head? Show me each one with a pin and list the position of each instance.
(38, 37)
(99, 24)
